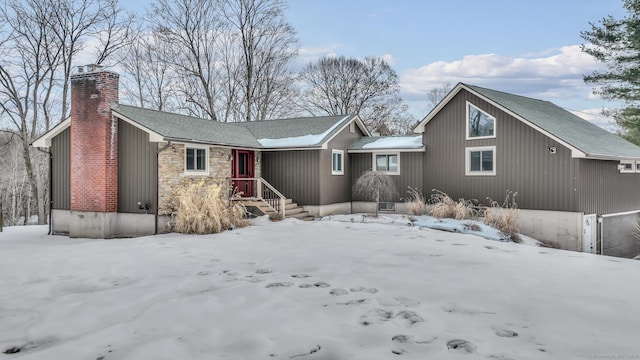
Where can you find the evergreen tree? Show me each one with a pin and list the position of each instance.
(616, 43)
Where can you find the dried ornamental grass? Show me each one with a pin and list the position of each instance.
(203, 209)
(443, 205)
(415, 202)
(504, 217)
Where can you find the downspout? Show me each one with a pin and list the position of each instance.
(155, 228)
(48, 152)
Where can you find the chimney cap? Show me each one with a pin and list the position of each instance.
(89, 68)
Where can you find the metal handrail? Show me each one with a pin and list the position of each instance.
(267, 193)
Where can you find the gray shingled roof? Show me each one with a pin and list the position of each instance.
(300, 132)
(572, 129)
(271, 134)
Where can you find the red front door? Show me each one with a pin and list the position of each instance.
(242, 167)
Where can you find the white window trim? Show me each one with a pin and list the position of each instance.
(352, 127)
(333, 171)
(466, 123)
(623, 170)
(206, 164)
(467, 162)
(374, 165)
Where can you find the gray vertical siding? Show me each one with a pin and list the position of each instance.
(337, 188)
(604, 190)
(411, 170)
(296, 174)
(136, 169)
(524, 165)
(60, 171)
(618, 237)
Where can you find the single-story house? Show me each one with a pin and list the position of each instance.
(115, 167)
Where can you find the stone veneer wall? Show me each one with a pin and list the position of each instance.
(171, 175)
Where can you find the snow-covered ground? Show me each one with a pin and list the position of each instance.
(347, 289)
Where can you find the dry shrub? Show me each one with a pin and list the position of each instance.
(415, 202)
(445, 207)
(504, 217)
(204, 209)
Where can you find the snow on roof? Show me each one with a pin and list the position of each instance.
(395, 142)
(303, 140)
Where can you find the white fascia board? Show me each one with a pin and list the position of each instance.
(358, 121)
(419, 129)
(575, 152)
(153, 136)
(358, 151)
(44, 141)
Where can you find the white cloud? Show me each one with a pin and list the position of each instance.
(551, 74)
(389, 59)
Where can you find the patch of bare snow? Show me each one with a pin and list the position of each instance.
(310, 290)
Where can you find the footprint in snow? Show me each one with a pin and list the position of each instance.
(404, 318)
(407, 302)
(363, 289)
(338, 292)
(506, 333)
(263, 271)
(408, 318)
(279, 284)
(300, 276)
(401, 342)
(375, 316)
(320, 284)
(489, 247)
(460, 345)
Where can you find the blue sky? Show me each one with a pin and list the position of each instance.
(525, 47)
(528, 47)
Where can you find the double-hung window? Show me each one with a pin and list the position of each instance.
(337, 162)
(481, 160)
(196, 159)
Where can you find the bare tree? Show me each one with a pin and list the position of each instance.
(374, 186)
(73, 22)
(192, 28)
(265, 45)
(339, 85)
(150, 78)
(38, 46)
(435, 95)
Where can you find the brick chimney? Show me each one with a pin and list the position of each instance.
(94, 140)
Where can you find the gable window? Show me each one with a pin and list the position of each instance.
(337, 162)
(480, 161)
(388, 163)
(480, 125)
(196, 159)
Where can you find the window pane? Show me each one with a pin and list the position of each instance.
(487, 160)
(393, 162)
(242, 164)
(337, 162)
(628, 166)
(190, 159)
(474, 160)
(480, 124)
(202, 154)
(381, 162)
